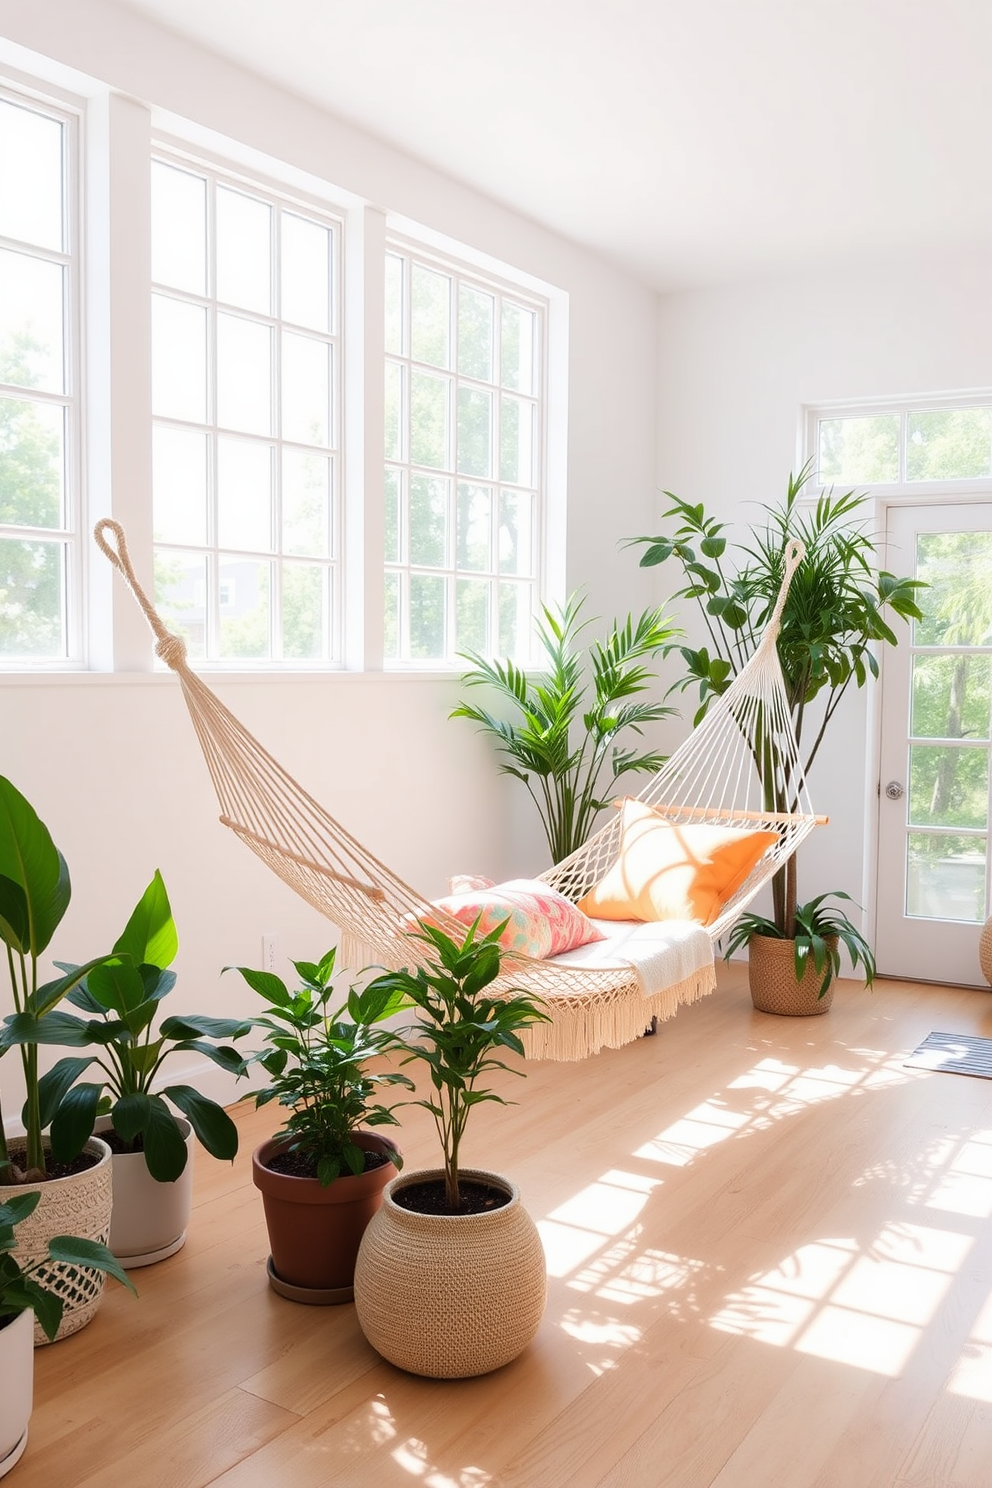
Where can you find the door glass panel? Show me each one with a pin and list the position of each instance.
(946, 878)
(951, 697)
(948, 786)
(957, 606)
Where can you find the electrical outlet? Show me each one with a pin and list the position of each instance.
(269, 942)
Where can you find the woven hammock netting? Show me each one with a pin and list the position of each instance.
(712, 777)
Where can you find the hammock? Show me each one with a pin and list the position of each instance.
(711, 777)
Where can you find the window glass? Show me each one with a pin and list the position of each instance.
(464, 473)
(38, 421)
(244, 395)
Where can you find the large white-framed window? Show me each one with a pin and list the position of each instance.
(915, 443)
(465, 478)
(40, 610)
(246, 404)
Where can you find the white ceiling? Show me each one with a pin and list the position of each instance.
(692, 141)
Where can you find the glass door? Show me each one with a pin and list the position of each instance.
(936, 734)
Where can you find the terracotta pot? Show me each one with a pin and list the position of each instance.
(78, 1205)
(16, 1388)
(149, 1218)
(315, 1232)
(450, 1295)
(771, 972)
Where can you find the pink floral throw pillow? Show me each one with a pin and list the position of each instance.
(541, 922)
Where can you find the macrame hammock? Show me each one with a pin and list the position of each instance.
(739, 767)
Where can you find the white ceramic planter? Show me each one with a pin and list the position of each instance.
(77, 1205)
(16, 1388)
(149, 1219)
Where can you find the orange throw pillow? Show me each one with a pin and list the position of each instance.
(667, 871)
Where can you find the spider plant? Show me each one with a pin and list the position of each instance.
(562, 733)
(818, 931)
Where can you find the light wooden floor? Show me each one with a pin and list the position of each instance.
(770, 1257)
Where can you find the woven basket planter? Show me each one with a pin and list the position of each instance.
(771, 973)
(450, 1295)
(985, 951)
(78, 1205)
(315, 1232)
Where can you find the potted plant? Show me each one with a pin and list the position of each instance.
(151, 1146)
(834, 618)
(34, 894)
(450, 1280)
(795, 975)
(23, 1294)
(321, 1176)
(562, 741)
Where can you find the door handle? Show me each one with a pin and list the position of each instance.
(894, 790)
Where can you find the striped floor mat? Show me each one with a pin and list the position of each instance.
(954, 1054)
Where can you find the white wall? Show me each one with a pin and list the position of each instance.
(735, 366)
(111, 763)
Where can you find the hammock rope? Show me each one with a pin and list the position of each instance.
(707, 778)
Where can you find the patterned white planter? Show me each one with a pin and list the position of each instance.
(78, 1205)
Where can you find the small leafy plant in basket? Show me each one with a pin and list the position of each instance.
(460, 1029)
(820, 930)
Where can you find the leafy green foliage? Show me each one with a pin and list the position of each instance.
(19, 1289)
(835, 617)
(819, 930)
(317, 1062)
(459, 1029)
(120, 996)
(562, 742)
(34, 896)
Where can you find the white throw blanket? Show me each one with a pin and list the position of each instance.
(662, 952)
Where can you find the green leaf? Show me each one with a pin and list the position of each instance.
(265, 983)
(117, 986)
(72, 1250)
(150, 934)
(211, 1123)
(47, 1306)
(53, 1086)
(74, 1121)
(30, 859)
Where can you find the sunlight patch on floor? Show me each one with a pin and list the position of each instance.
(597, 1213)
(412, 1456)
(865, 1308)
(965, 1187)
(703, 1127)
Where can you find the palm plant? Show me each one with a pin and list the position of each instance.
(834, 617)
(561, 739)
